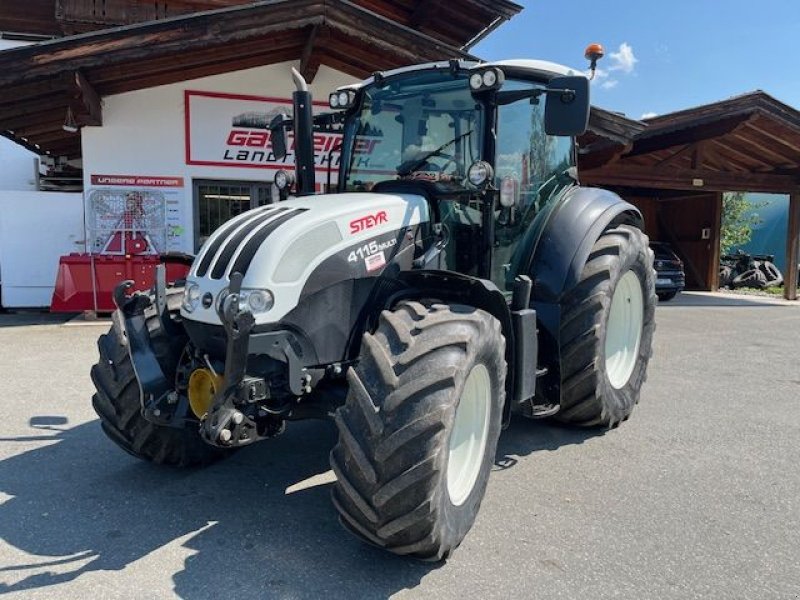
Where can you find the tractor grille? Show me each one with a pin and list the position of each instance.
(230, 245)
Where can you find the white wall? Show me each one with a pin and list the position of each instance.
(143, 132)
(16, 163)
(36, 228)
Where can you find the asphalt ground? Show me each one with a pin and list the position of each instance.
(696, 496)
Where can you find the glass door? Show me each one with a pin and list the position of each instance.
(218, 201)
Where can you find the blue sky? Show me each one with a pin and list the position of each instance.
(663, 56)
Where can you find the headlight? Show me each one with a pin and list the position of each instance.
(487, 79)
(191, 297)
(341, 100)
(259, 300)
(283, 180)
(479, 173)
(476, 81)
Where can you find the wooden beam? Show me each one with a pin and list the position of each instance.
(227, 65)
(33, 119)
(658, 141)
(601, 153)
(685, 179)
(742, 156)
(309, 59)
(93, 107)
(105, 74)
(700, 149)
(40, 128)
(677, 155)
(52, 102)
(25, 92)
(170, 36)
(775, 138)
(765, 149)
(716, 234)
(792, 247)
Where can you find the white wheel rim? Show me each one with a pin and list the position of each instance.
(624, 330)
(468, 437)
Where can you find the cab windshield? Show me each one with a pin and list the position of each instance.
(423, 125)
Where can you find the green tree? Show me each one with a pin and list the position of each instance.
(738, 221)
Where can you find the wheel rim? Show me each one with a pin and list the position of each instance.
(624, 330)
(468, 437)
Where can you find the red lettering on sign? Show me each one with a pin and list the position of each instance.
(251, 139)
(368, 222)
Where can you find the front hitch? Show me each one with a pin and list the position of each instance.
(225, 425)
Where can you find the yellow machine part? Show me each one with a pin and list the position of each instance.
(203, 384)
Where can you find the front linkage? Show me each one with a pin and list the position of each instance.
(230, 420)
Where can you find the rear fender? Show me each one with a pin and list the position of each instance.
(557, 262)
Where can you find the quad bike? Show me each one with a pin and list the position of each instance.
(460, 274)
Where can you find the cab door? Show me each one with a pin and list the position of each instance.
(530, 169)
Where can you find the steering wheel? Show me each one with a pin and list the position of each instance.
(404, 169)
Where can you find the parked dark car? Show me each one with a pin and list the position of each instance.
(670, 278)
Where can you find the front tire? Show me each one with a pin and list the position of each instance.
(419, 429)
(606, 332)
(118, 405)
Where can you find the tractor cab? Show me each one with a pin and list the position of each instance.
(489, 145)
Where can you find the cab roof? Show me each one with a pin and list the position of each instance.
(539, 68)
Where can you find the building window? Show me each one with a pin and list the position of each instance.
(217, 201)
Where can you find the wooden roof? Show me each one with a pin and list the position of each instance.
(455, 22)
(746, 143)
(38, 82)
(56, 18)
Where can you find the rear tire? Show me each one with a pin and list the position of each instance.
(606, 341)
(666, 296)
(419, 430)
(118, 405)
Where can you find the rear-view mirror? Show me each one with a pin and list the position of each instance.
(567, 108)
(277, 128)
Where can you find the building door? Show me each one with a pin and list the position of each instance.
(217, 201)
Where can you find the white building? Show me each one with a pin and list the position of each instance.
(173, 110)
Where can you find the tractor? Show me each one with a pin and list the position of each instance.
(459, 275)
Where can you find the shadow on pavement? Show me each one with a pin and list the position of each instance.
(81, 505)
(526, 436)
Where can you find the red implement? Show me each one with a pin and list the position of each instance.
(87, 281)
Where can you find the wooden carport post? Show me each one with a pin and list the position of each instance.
(792, 247)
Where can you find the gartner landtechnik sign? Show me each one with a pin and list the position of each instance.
(232, 130)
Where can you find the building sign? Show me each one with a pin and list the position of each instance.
(135, 214)
(137, 180)
(232, 130)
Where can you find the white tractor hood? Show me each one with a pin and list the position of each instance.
(277, 247)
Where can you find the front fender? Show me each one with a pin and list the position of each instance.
(449, 286)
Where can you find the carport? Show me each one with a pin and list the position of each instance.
(676, 167)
